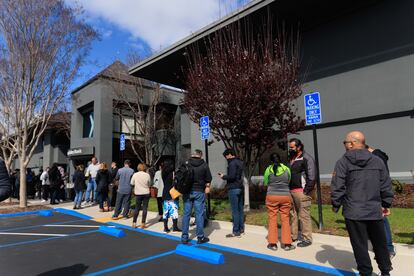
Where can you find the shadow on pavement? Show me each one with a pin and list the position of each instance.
(73, 270)
(339, 259)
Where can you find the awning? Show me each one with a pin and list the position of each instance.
(167, 66)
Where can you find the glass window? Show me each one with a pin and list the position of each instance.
(116, 126)
(128, 125)
(88, 124)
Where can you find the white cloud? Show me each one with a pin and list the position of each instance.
(158, 22)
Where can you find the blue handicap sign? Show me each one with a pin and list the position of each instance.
(122, 142)
(204, 121)
(205, 133)
(313, 111)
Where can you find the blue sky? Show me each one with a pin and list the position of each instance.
(144, 26)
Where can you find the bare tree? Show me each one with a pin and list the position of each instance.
(43, 46)
(247, 83)
(138, 103)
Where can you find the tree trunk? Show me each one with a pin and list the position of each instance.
(23, 186)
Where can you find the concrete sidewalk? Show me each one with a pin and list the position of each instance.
(326, 250)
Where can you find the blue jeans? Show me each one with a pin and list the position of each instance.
(196, 199)
(236, 198)
(91, 187)
(388, 235)
(78, 198)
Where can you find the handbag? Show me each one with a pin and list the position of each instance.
(174, 193)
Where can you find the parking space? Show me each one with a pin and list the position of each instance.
(64, 244)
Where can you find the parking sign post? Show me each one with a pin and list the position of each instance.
(313, 117)
(205, 134)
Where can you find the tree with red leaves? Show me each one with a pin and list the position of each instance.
(248, 85)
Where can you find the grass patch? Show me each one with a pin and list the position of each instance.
(401, 220)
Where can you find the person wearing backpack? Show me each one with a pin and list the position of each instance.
(195, 195)
(235, 189)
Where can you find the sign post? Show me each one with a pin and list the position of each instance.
(313, 117)
(122, 146)
(205, 135)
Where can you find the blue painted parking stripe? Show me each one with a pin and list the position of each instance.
(72, 213)
(41, 225)
(130, 263)
(46, 239)
(19, 214)
(332, 271)
(144, 231)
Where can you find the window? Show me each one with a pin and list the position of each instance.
(88, 120)
(128, 125)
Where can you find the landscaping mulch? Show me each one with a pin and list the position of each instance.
(15, 209)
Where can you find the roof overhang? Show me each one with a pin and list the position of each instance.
(169, 66)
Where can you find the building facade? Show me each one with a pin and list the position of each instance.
(358, 55)
(100, 115)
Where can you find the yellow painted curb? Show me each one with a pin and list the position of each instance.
(105, 219)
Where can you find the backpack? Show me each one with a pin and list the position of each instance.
(184, 178)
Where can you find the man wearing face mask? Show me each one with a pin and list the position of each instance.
(302, 183)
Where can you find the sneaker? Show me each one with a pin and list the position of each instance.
(288, 247)
(84, 203)
(232, 235)
(166, 230)
(176, 229)
(304, 243)
(43, 201)
(182, 241)
(60, 200)
(202, 240)
(392, 255)
(272, 246)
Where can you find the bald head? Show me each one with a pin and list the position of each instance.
(354, 140)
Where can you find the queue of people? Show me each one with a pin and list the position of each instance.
(361, 185)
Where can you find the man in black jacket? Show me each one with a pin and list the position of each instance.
(361, 184)
(234, 178)
(196, 197)
(302, 183)
(387, 228)
(5, 185)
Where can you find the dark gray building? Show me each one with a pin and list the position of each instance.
(100, 116)
(358, 54)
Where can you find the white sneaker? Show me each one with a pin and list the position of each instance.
(83, 204)
(43, 201)
(60, 200)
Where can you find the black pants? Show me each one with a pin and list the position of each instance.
(141, 200)
(45, 193)
(53, 194)
(114, 190)
(102, 197)
(122, 202)
(359, 233)
(160, 202)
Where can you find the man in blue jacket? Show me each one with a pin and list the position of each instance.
(362, 185)
(5, 185)
(234, 178)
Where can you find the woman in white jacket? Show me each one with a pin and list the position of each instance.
(159, 184)
(141, 181)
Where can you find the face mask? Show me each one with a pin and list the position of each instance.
(292, 153)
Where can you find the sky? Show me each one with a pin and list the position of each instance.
(143, 26)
